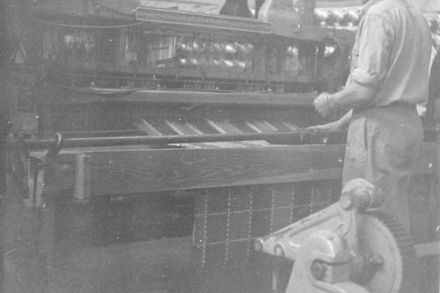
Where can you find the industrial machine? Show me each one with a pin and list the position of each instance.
(182, 140)
(346, 247)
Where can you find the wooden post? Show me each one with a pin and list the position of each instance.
(14, 25)
(308, 12)
(438, 158)
(2, 194)
(3, 130)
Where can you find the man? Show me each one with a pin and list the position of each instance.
(388, 77)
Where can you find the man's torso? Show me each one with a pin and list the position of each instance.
(407, 65)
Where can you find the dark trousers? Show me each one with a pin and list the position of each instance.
(382, 147)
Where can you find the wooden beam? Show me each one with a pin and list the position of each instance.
(139, 171)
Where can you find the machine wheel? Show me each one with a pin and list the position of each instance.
(382, 237)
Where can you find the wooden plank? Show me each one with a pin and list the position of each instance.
(140, 171)
(148, 128)
(183, 168)
(227, 126)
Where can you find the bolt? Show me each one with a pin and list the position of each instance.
(346, 202)
(375, 260)
(259, 244)
(343, 228)
(279, 250)
(318, 270)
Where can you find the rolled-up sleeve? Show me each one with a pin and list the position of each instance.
(374, 45)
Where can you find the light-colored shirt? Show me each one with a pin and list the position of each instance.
(392, 53)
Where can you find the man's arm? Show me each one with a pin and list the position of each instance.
(353, 96)
(338, 125)
(371, 61)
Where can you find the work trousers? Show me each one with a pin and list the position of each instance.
(383, 144)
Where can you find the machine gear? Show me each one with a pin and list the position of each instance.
(347, 247)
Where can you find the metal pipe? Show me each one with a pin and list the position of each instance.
(284, 137)
(303, 136)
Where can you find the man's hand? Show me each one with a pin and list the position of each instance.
(322, 104)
